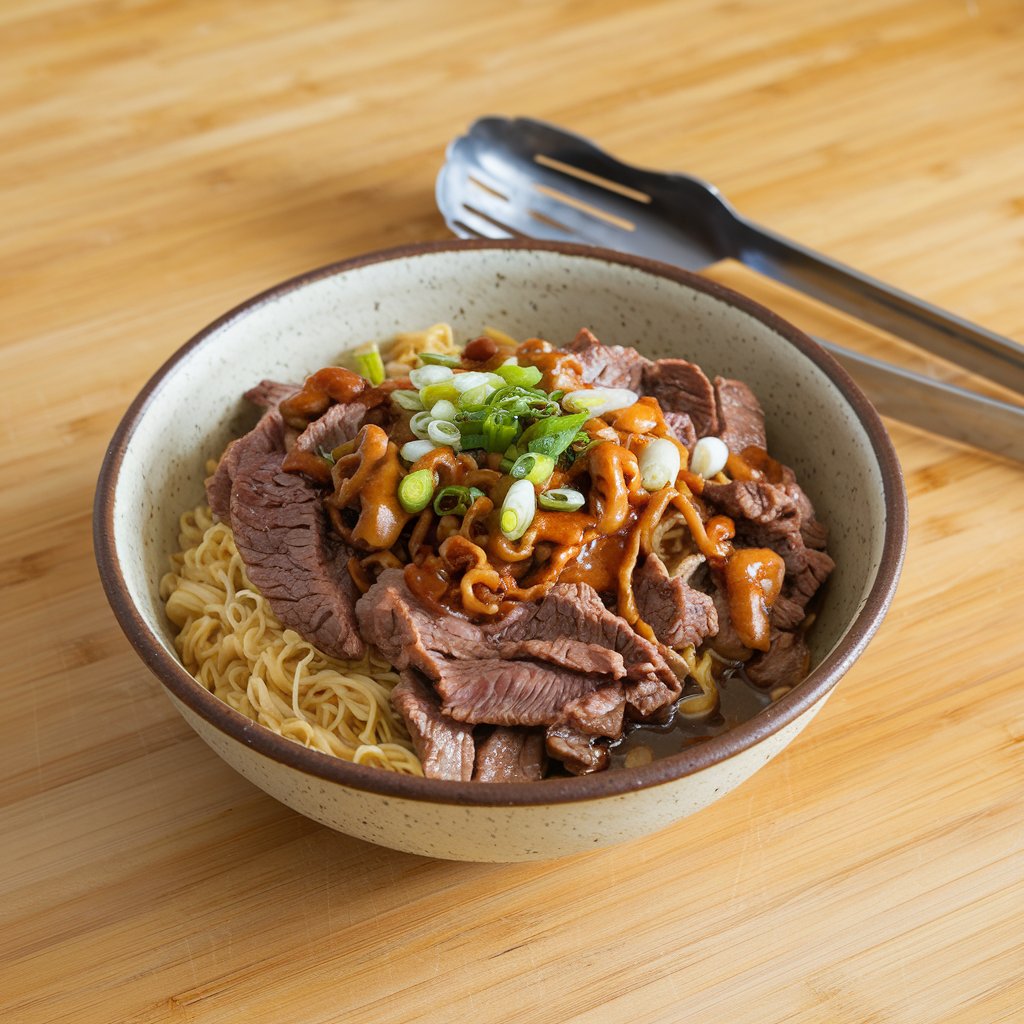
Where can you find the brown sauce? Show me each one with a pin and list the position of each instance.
(739, 701)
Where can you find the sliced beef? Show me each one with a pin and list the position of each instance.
(269, 394)
(783, 664)
(678, 614)
(445, 747)
(740, 416)
(339, 424)
(511, 755)
(581, 754)
(787, 613)
(574, 609)
(407, 633)
(682, 386)
(291, 555)
(266, 437)
(755, 500)
(523, 669)
(500, 692)
(598, 713)
(608, 366)
(682, 427)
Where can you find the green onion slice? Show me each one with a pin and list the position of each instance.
(472, 441)
(416, 490)
(370, 364)
(413, 451)
(419, 424)
(521, 376)
(444, 410)
(518, 509)
(500, 429)
(453, 500)
(408, 400)
(553, 435)
(443, 391)
(561, 499)
(533, 467)
(444, 432)
(423, 376)
(440, 359)
(475, 398)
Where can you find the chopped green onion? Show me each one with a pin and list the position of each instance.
(500, 429)
(434, 393)
(511, 361)
(561, 499)
(553, 435)
(419, 423)
(535, 468)
(659, 464)
(598, 401)
(556, 396)
(439, 359)
(518, 509)
(475, 398)
(370, 364)
(416, 490)
(453, 501)
(413, 451)
(493, 379)
(408, 400)
(443, 432)
(423, 376)
(443, 410)
(521, 376)
(471, 441)
(464, 382)
(325, 454)
(475, 493)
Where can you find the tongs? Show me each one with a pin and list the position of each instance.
(520, 177)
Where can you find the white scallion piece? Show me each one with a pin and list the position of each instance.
(419, 424)
(430, 374)
(467, 381)
(443, 432)
(518, 509)
(709, 457)
(562, 499)
(495, 380)
(408, 400)
(415, 450)
(659, 464)
(511, 361)
(598, 401)
(444, 410)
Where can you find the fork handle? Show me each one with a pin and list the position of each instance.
(868, 299)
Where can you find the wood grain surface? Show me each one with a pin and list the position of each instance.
(162, 161)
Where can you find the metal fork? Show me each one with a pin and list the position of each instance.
(521, 177)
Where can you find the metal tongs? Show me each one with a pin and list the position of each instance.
(519, 177)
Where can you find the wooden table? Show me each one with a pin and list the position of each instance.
(162, 161)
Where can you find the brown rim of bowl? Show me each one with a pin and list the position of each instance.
(550, 791)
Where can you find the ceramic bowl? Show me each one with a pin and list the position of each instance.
(818, 422)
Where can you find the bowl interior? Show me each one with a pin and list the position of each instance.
(195, 409)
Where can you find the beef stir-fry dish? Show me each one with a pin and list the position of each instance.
(499, 561)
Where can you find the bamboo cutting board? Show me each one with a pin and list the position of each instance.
(161, 162)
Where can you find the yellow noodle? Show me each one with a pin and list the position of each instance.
(231, 641)
(400, 355)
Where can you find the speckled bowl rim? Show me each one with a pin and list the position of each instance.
(550, 791)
